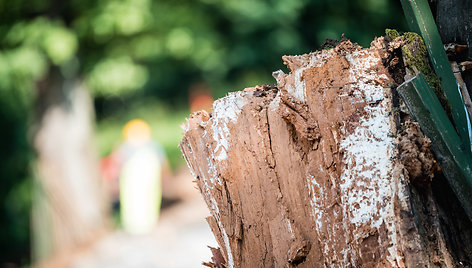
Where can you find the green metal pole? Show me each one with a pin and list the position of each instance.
(455, 162)
(420, 20)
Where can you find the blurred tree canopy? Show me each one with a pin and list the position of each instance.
(132, 49)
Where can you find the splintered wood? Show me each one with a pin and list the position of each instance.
(308, 172)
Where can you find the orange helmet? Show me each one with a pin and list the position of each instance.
(136, 130)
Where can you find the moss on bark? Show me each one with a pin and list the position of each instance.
(415, 57)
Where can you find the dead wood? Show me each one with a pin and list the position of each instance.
(325, 169)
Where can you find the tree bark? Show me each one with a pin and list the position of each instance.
(326, 169)
(69, 207)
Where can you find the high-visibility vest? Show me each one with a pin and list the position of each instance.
(140, 191)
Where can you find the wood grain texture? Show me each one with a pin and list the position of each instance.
(312, 172)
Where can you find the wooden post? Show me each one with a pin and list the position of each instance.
(326, 169)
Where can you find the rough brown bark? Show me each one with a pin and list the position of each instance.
(324, 170)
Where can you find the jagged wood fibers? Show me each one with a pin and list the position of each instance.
(325, 169)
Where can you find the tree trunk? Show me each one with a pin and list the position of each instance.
(326, 169)
(69, 204)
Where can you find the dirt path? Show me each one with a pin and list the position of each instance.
(179, 240)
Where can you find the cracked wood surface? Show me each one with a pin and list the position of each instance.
(308, 173)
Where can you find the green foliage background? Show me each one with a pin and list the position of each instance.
(139, 58)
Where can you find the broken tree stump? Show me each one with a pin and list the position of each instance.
(324, 169)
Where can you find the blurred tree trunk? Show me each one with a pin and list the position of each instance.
(69, 205)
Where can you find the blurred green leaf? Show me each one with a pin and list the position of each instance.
(60, 44)
(116, 76)
(180, 42)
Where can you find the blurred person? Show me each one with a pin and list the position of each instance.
(133, 173)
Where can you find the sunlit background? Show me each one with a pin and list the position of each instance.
(73, 73)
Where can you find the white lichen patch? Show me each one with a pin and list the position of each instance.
(207, 184)
(364, 77)
(366, 182)
(216, 214)
(317, 201)
(225, 110)
(217, 132)
(368, 167)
